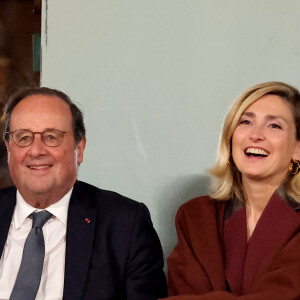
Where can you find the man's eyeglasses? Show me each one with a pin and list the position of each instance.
(25, 137)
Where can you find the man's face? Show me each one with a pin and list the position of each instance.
(40, 171)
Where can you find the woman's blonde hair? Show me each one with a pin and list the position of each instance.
(227, 180)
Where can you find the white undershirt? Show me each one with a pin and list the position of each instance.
(52, 281)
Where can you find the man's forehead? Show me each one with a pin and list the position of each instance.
(41, 99)
(41, 109)
(40, 103)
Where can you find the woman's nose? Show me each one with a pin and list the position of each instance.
(257, 133)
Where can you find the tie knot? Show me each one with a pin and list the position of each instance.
(39, 219)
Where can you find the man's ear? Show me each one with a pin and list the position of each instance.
(6, 144)
(296, 155)
(7, 149)
(80, 149)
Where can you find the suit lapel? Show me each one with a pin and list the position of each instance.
(274, 225)
(7, 206)
(235, 246)
(205, 240)
(79, 241)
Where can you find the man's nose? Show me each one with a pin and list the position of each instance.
(37, 147)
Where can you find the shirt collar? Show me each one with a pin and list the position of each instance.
(58, 209)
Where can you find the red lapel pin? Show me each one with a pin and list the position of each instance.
(87, 220)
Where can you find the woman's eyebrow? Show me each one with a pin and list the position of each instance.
(268, 117)
(248, 114)
(272, 117)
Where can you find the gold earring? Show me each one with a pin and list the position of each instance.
(294, 167)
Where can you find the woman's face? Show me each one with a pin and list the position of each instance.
(264, 142)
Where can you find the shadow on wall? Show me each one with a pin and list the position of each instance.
(180, 191)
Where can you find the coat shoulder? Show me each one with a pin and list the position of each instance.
(200, 210)
(199, 204)
(8, 192)
(105, 200)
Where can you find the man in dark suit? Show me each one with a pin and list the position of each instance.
(96, 244)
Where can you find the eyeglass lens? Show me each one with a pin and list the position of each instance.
(25, 137)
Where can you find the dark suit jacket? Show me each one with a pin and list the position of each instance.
(196, 267)
(112, 249)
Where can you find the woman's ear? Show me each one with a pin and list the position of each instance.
(296, 155)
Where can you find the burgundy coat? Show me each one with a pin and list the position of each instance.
(196, 268)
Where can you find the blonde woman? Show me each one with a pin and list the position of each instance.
(243, 241)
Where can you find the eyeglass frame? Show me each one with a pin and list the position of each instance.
(38, 132)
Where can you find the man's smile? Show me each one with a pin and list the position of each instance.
(40, 167)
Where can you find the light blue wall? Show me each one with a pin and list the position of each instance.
(155, 79)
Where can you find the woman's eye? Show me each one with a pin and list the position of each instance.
(275, 126)
(245, 122)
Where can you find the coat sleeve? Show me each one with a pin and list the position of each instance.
(186, 274)
(145, 278)
(278, 278)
